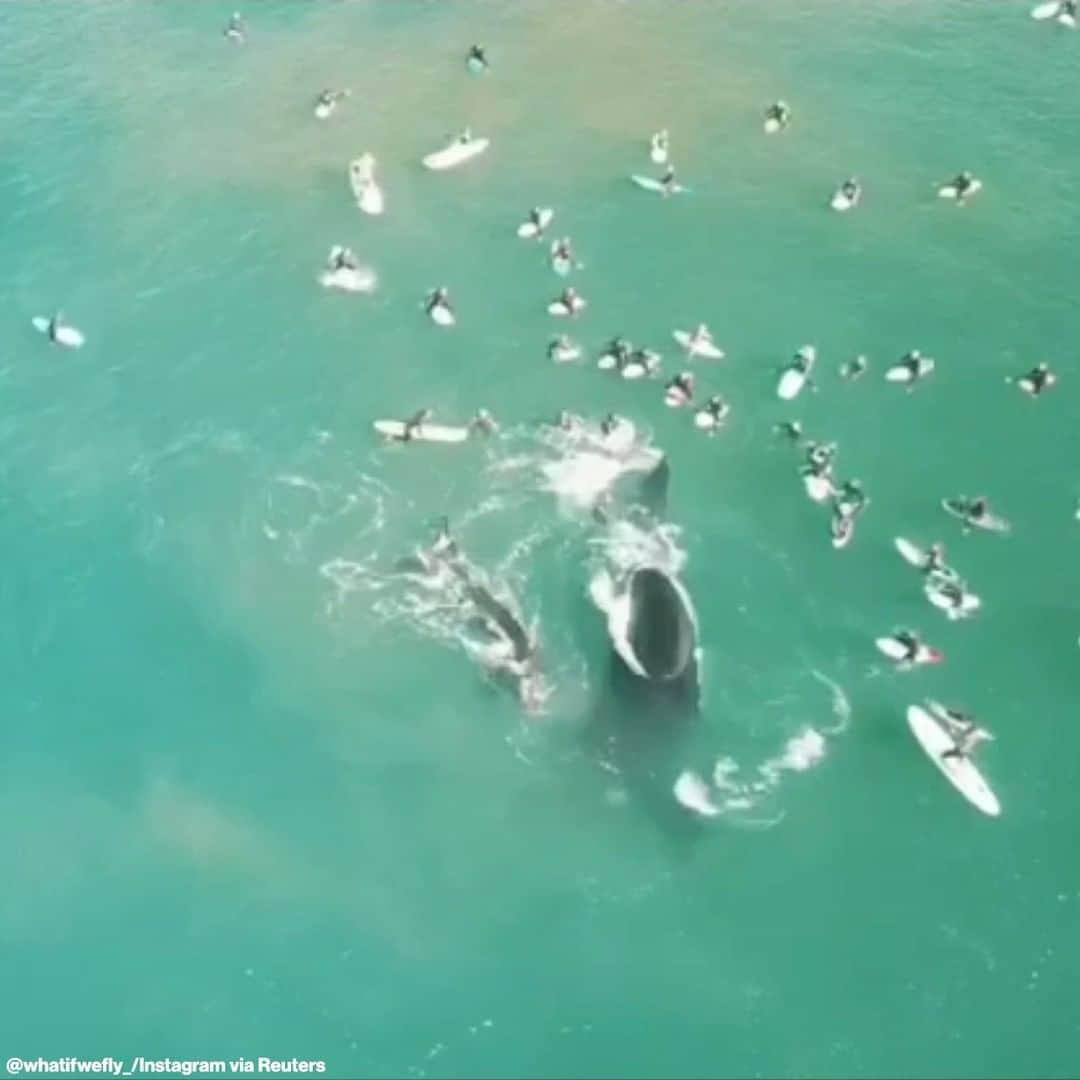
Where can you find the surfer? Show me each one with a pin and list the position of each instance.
(1038, 379)
(668, 183)
(713, 414)
(562, 256)
(465, 137)
(342, 258)
(964, 731)
(477, 59)
(854, 368)
(562, 349)
(639, 363)
(973, 512)
(53, 329)
(536, 219)
(415, 423)
(953, 593)
(913, 361)
(439, 301)
(610, 423)
(935, 560)
(850, 500)
(778, 116)
(789, 429)
(484, 422)
(568, 422)
(235, 29)
(850, 192)
(680, 391)
(911, 644)
(963, 184)
(821, 456)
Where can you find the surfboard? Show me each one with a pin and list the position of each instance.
(395, 429)
(843, 202)
(475, 66)
(706, 421)
(323, 109)
(561, 308)
(676, 398)
(634, 369)
(607, 362)
(1046, 11)
(368, 194)
(960, 772)
(360, 279)
(457, 153)
(950, 191)
(818, 487)
(772, 125)
(990, 523)
(566, 354)
(692, 792)
(530, 230)
(842, 530)
(441, 316)
(896, 650)
(968, 605)
(792, 380)
(649, 184)
(1067, 20)
(561, 265)
(705, 349)
(901, 373)
(911, 553)
(66, 335)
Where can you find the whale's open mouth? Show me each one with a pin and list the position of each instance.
(662, 633)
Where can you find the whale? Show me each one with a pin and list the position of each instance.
(510, 651)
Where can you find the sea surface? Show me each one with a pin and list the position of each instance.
(257, 800)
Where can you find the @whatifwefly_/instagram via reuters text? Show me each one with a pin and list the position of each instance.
(141, 1066)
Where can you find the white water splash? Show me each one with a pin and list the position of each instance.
(735, 791)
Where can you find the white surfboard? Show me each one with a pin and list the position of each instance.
(818, 486)
(960, 772)
(456, 153)
(677, 398)
(692, 792)
(911, 553)
(897, 651)
(365, 189)
(792, 380)
(395, 429)
(360, 279)
(441, 316)
(561, 308)
(968, 605)
(649, 184)
(1067, 20)
(1048, 10)
(530, 230)
(607, 362)
(990, 523)
(706, 421)
(566, 353)
(901, 373)
(66, 335)
(843, 202)
(324, 110)
(842, 530)
(772, 125)
(950, 191)
(705, 348)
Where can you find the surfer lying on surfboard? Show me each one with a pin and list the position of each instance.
(964, 731)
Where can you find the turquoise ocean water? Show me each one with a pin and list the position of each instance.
(252, 807)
